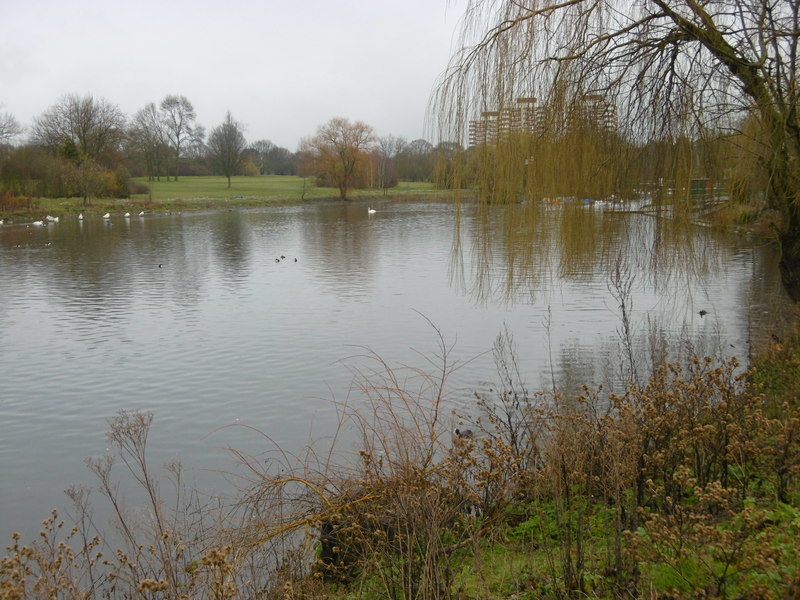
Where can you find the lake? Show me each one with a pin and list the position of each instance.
(258, 317)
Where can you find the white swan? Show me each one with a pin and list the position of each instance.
(371, 211)
(127, 215)
(141, 214)
(107, 216)
(80, 217)
(38, 223)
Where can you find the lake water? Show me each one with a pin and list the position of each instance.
(191, 316)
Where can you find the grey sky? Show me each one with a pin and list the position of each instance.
(281, 68)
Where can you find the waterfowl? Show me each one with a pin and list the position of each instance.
(107, 216)
(80, 217)
(141, 214)
(127, 215)
(371, 211)
(38, 223)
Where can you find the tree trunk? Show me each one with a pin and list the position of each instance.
(785, 198)
(790, 260)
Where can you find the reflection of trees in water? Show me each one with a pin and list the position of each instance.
(526, 252)
(341, 247)
(763, 308)
(108, 268)
(231, 243)
(516, 250)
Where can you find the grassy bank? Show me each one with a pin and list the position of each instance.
(685, 486)
(261, 188)
(192, 193)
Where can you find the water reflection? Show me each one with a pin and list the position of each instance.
(230, 240)
(340, 247)
(527, 252)
(524, 247)
(221, 333)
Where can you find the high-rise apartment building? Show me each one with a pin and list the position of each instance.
(526, 115)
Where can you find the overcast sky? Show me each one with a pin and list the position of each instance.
(281, 67)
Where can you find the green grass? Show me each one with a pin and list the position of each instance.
(259, 188)
(212, 192)
(264, 187)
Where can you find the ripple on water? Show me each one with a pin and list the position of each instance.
(222, 335)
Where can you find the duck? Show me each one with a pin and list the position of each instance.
(370, 211)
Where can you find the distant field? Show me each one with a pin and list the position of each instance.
(213, 192)
(260, 188)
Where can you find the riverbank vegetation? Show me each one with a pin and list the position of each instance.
(684, 485)
(203, 192)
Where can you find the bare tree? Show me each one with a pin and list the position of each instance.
(671, 70)
(263, 148)
(148, 135)
(178, 116)
(82, 127)
(388, 147)
(9, 127)
(226, 146)
(337, 149)
(416, 160)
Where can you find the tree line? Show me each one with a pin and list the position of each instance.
(84, 146)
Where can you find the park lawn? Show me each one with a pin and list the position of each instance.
(262, 187)
(257, 188)
(211, 192)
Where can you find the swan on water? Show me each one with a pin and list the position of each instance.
(371, 211)
(107, 216)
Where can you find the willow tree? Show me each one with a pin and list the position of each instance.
(672, 72)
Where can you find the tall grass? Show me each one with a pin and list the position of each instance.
(683, 485)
